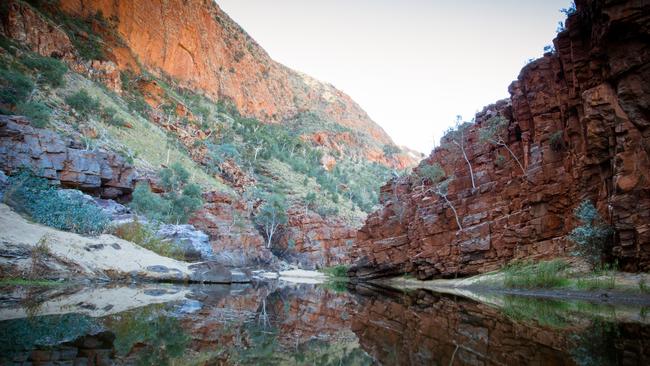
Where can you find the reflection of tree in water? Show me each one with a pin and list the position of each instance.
(151, 332)
(25, 334)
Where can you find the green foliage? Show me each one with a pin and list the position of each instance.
(546, 274)
(606, 282)
(149, 204)
(15, 87)
(159, 337)
(430, 172)
(390, 150)
(27, 333)
(8, 44)
(145, 237)
(81, 33)
(221, 152)
(132, 94)
(52, 70)
(37, 112)
(180, 200)
(58, 209)
(110, 116)
(83, 103)
(339, 271)
(272, 214)
(592, 236)
(494, 130)
(184, 197)
(309, 200)
(545, 312)
(556, 141)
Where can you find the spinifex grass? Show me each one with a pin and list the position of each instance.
(546, 274)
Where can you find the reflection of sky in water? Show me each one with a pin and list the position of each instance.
(308, 325)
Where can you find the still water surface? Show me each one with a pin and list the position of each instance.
(265, 324)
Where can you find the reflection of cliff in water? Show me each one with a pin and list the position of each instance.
(310, 325)
(424, 328)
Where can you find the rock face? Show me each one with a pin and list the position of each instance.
(21, 23)
(578, 121)
(313, 242)
(50, 156)
(194, 244)
(198, 45)
(234, 239)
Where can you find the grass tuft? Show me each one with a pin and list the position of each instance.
(545, 274)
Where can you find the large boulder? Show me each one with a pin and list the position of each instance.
(193, 243)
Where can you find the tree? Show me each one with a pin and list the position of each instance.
(456, 136)
(592, 236)
(437, 177)
(271, 216)
(495, 131)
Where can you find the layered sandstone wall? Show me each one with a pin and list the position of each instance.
(594, 92)
(64, 160)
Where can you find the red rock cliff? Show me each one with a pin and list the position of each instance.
(595, 90)
(198, 45)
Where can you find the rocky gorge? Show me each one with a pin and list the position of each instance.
(577, 126)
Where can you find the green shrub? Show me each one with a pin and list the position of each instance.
(52, 70)
(339, 271)
(545, 274)
(593, 236)
(149, 204)
(37, 112)
(14, 87)
(83, 103)
(180, 200)
(184, 197)
(110, 116)
(58, 209)
(433, 173)
(145, 237)
(390, 150)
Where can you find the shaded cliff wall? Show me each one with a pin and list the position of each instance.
(594, 92)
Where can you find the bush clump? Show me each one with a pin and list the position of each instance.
(48, 206)
(180, 200)
(50, 69)
(14, 87)
(37, 112)
(145, 237)
(592, 236)
(110, 116)
(83, 103)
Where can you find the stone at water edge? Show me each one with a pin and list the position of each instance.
(194, 243)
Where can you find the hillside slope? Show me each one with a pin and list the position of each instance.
(142, 86)
(201, 47)
(577, 121)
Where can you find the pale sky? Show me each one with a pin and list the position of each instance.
(413, 65)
